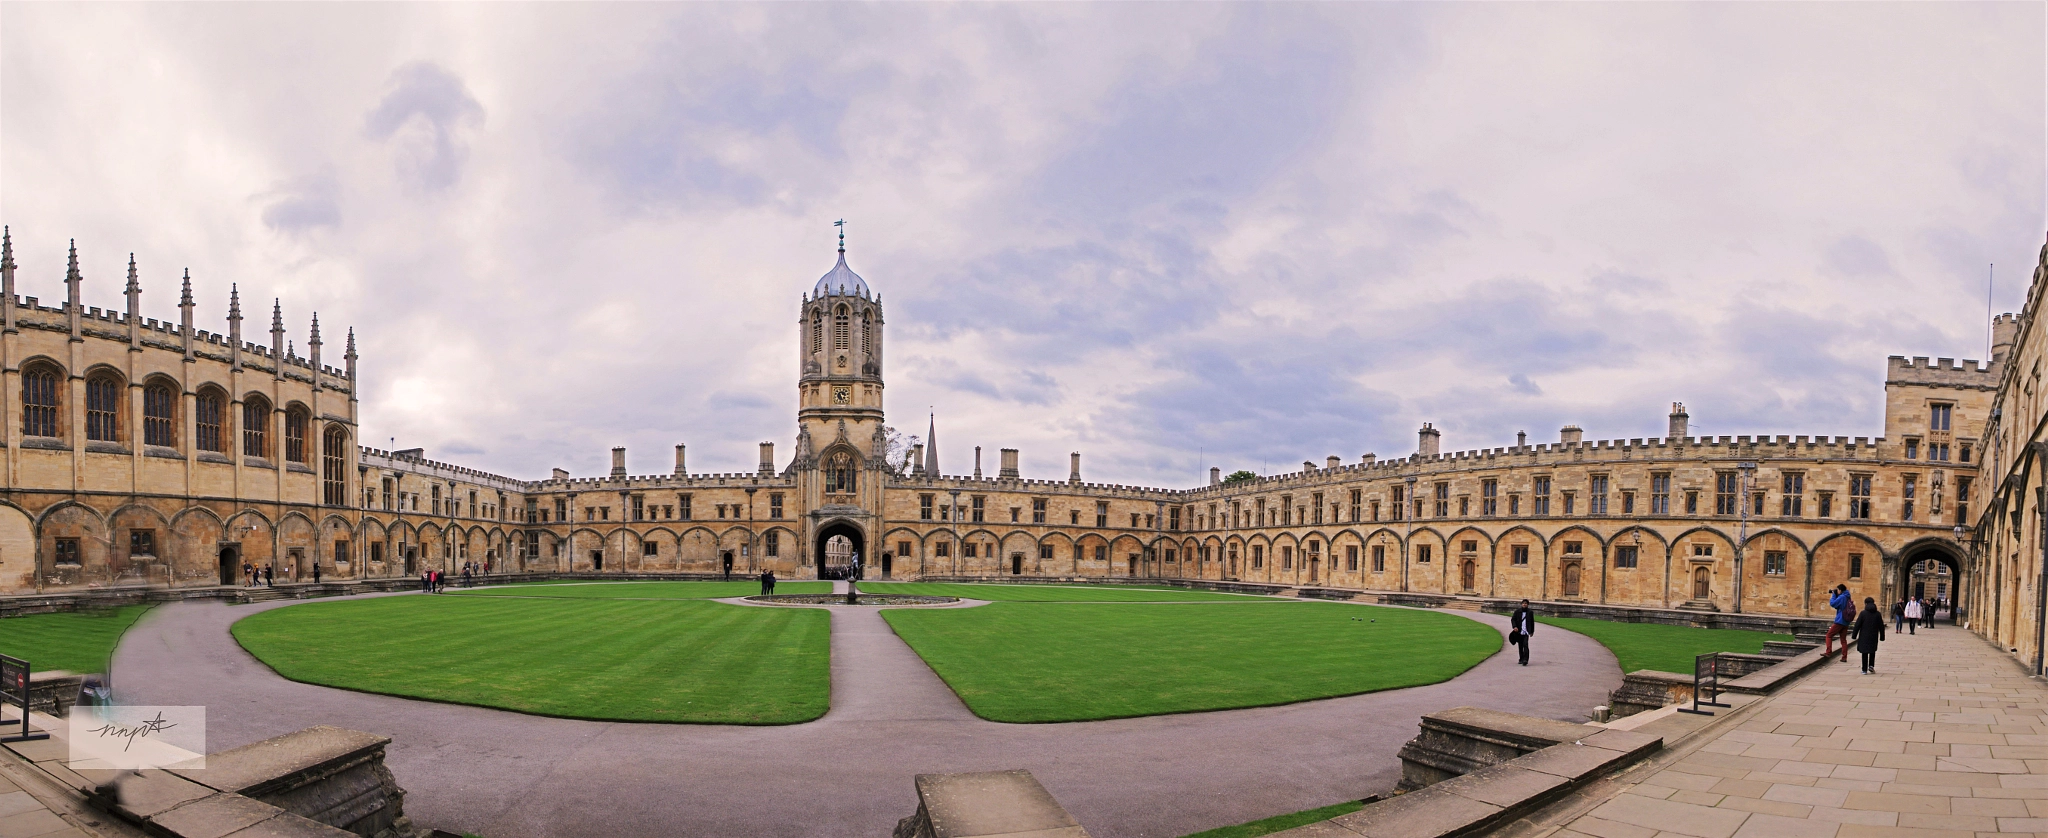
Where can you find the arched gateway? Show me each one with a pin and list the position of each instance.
(823, 553)
(1933, 554)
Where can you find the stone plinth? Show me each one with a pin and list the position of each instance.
(1647, 689)
(1006, 803)
(326, 774)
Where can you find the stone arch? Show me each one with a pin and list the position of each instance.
(126, 564)
(1061, 563)
(44, 398)
(253, 537)
(1846, 557)
(373, 548)
(18, 545)
(1471, 571)
(1428, 561)
(298, 543)
(1708, 548)
(1937, 549)
(1645, 581)
(697, 550)
(1126, 555)
(1771, 589)
(781, 546)
(194, 541)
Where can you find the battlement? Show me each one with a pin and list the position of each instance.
(399, 461)
(1941, 372)
(726, 480)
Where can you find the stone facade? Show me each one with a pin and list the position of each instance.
(2000, 585)
(1746, 524)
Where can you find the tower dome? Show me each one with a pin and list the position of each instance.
(841, 281)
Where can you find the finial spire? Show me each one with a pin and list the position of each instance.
(6, 248)
(351, 341)
(71, 276)
(134, 285)
(234, 301)
(316, 330)
(276, 314)
(185, 299)
(841, 224)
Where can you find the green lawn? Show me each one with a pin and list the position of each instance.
(78, 641)
(1053, 593)
(1062, 662)
(1280, 823)
(1661, 647)
(641, 590)
(676, 660)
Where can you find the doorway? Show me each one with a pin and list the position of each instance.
(1469, 574)
(597, 560)
(1571, 580)
(1315, 568)
(230, 566)
(888, 562)
(1016, 563)
(1702, 584)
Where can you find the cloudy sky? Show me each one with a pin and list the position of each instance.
(1166, 235)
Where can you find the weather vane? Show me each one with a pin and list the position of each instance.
(841, 224)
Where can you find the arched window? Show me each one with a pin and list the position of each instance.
(39, 401)
(158, 405)
(256, 427)
(840, 475)
(818, 330)
(840, 321)
(103, 408)
(334, 466)
(867, 332)
(295, 435)
(211, 416)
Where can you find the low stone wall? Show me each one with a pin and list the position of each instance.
(53, 692)
(1465, 739)
(1647, 689)
(325, 774)
(1804, 628)
(1494, 794)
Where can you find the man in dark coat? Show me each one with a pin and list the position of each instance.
(767, 584)
(1520, 626)
(1869, 631)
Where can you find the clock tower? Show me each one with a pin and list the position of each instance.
(841, 448)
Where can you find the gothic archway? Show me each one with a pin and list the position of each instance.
(823, 554)
(1925, 569)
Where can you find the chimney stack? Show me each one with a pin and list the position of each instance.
(1215, 475)
(1571, 435)
(1009, 464)
(1074, 467)
(767, 459)
(1678, 422)
(977, 462)
(619, 461)
(680, 470)
(1368, 458)
(1332, 462)
(1521, 439)
(1430, 441)
(560, 474)
(917, 460)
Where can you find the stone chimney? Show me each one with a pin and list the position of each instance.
(767, 459)
(1521, 439)
(977, 462)
(1571, 435)
(1678, 422)
(917, 460)
(1215, 475)
(1431, 441)
(680, 469)
(561, 474)
(1009, 464)
(1074, 467)
(1368, 459)
(1308, 466)
(1332, 462)
(619, 461)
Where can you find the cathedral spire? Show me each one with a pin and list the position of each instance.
(351, 358)
(931, 447)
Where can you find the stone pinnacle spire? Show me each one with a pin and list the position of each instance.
(234, 303)
(134, 284)
(6, 248)
(276, 315)
(931, 447)
(185, 298)
(316, 330)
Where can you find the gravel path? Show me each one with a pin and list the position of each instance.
(506, 775)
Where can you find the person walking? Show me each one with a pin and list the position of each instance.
(1927, 613)
(269, 577)
(423, 582)
(765, 585)
(1520, 626)
(1898, 616)
(316, 573)
(1869, 631)
(466, 577)
(1845, 611)
(1913, 615)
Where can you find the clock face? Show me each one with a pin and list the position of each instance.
(842, 395)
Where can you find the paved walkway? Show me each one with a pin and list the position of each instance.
(507, 775)
(1949, 739)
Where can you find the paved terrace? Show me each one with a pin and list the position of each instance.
(507, 775)
(1949, 740)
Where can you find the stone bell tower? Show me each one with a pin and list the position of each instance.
(841, 448)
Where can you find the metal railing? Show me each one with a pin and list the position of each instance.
(1706, 684)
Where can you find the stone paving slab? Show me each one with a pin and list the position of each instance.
(1948, 740)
